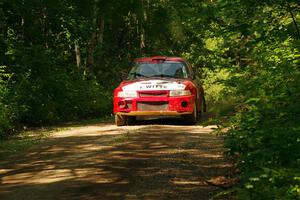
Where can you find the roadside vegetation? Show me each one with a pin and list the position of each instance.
(23, 140)
(60, 60)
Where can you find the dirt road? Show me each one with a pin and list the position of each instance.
(107, 162)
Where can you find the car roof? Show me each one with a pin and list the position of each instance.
(156, 59)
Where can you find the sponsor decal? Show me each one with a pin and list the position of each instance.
(157, 87)
(154, 85)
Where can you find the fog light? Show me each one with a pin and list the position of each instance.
(122, 104)
(184, 104)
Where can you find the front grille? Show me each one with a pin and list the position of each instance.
(152, 106)
(153, 94)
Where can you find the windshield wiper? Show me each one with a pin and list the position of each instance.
(135, 74)
(163, 75)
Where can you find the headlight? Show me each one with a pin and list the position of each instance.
(124, 94)
(175, 93)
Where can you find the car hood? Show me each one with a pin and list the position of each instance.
(154, 84)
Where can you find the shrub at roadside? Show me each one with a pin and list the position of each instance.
(265, 133)
(7, 113)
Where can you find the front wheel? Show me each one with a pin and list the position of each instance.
(203, 104)
(191, 119)
(131, 120)
(120, 120)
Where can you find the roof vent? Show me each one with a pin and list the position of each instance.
(158, 58)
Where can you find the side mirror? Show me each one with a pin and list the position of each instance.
(193, 76)
(123, 75)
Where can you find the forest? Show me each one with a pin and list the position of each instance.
(61, 59)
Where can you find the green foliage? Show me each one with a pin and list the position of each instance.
(248, 53)
(44, 84)
(220, 97)
(6, 113)
(64, 59)
(264, 137)
(273, 183)
(4, 122)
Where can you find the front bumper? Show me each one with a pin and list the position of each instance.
(153, 113)
(158, 106)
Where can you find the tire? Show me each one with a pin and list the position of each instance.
(131, 120)
(204, 109)
(121, 120)
(192, 118)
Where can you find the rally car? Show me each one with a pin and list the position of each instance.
(159, 86)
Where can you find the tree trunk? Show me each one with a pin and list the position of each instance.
(90, 52)
(101, 31)
(294, 20)
(77, 53)
(92, 40)
(45, 26)
(143, 19)
(96, 38)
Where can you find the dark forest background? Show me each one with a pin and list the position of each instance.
(61, 59)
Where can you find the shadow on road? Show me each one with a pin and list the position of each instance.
(105, 162)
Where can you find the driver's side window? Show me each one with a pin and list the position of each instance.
(189, 70)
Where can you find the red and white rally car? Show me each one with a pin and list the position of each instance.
(159, 86)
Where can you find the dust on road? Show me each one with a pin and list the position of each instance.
(108, 162)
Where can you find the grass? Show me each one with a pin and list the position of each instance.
(25, 139)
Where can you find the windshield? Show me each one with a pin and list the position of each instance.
(161, 69)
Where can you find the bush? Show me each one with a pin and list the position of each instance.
(47, 91)
(265, 133)
(60, 96)
(220, 98)
(4, 120)
(6, 116)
